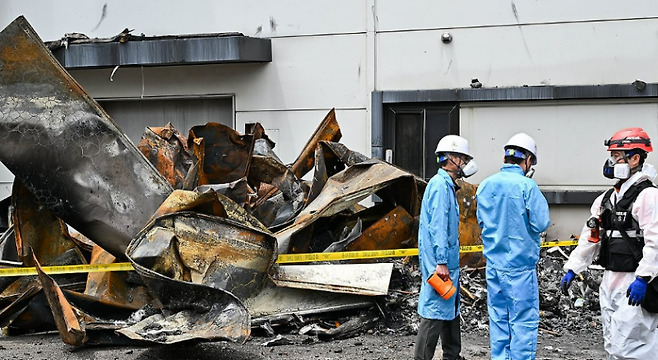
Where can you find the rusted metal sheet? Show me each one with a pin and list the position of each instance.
(223, 155)
(207, 201)
(359, 279)
(38, 231)
(70, 320)
(259, 133)
(115, 287)
(199, 312)
(167, 150)
(276, 210)
(330, 159)
(329, 130)
(283, 196)
(469, 230)
(387, 233)
(345, 189)
(238, 190)
(70, 257)
(68, 325)
(25, 306)
(342, 153)
(182, 200)
(207, 250)
(66, 150)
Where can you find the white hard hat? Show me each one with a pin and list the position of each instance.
(453, 144)
(525, 142)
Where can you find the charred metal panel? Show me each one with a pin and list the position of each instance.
(343, 153)
(66, 150)
(328, 130)
(68, 325)
(114, 286)
(180, 50)
(201, 249)
(182, 200)
(223, 320)
(199, 311)
(77, 56)
(237, 190)
(27, 310)
(276, 211)
(330, 159)
(387, 233)
(166, 149)
(346, 189)
(38, 231)
(223, 153)
(8, 251)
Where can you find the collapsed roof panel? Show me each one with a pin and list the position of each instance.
(66, 150)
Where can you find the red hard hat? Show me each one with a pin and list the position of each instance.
(629, 139)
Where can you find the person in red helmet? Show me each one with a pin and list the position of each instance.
(625, 218)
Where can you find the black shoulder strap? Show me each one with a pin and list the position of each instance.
(632, 193)
(605, 202)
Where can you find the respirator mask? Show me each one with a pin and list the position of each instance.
(469, 169)
(614, 170)
(465, 170)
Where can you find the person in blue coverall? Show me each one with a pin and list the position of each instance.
(438, 251)
(512, 213)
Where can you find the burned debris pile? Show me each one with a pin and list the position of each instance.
(200, 222)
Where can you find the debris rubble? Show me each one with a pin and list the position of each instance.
(203, 218)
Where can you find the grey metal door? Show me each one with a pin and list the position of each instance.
(411, 132)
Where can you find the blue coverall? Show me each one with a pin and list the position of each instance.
(512, 213)
(438, 244)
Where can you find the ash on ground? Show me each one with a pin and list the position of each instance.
(578, 312)
(575, 314)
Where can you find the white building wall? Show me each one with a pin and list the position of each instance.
(569, 145)
(334, 53)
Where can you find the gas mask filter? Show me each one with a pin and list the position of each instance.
(613, 170)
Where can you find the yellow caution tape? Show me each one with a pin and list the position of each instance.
(283, 259)
(66, 269)
(372, 254)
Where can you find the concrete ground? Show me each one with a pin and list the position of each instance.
(367, 347)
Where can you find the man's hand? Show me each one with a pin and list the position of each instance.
(636, 291)
(566, 281)
(442, 272)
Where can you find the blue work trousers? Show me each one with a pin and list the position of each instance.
(513, 303)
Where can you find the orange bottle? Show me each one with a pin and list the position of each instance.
(445, 288)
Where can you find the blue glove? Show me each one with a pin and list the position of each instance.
(566, 281)
(636, 291)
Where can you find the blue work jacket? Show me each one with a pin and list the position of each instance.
(512, 212)
(438, 243)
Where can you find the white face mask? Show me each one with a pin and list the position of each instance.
(530, 172)
(469, 169)
(620, 171)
